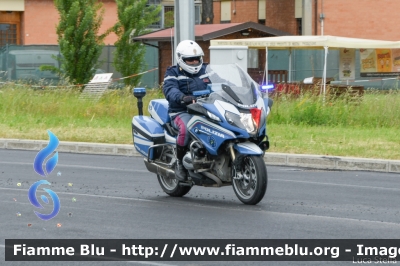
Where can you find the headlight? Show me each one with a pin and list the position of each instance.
(248, 122)
(234, 119)
(213, 116)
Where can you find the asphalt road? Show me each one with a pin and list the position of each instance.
(113, 197)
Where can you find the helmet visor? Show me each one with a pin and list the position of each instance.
(192, 60)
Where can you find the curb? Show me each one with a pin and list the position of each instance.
(279, 159)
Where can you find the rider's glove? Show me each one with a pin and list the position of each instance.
(188, 99)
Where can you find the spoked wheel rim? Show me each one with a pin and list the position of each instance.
(168, 183)
(245, 182)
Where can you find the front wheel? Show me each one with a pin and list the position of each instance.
(171, 186)
(250, 182)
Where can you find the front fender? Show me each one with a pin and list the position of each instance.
(248, 148)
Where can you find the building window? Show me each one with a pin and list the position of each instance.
(261, 21)
(261, 11)
(226, 12)
(8, 34)
(299, 26)
(157, 24)
(167, 17)
(197, 14)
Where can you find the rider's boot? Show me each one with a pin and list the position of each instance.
(180, 172)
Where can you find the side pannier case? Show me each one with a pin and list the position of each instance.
(146, 132)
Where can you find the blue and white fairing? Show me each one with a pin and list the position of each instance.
(232, 99)
(210, 134)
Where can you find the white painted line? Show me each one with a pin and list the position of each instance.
(333, 184)
(84, 166)
(234, 209)
(87, 195)
(15, 163)
(333, 218)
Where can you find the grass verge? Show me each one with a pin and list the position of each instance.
(363, 127)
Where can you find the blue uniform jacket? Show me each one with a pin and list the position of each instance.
(178, 82)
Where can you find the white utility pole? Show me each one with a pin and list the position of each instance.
(184, 22)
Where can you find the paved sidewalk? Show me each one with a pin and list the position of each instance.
(283, 159)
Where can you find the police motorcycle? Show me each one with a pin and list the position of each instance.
(228, 137)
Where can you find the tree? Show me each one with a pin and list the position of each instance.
(80, 44)
(207, 15)
(134, 17)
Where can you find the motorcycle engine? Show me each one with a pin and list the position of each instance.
(222, 169)
(187, 161)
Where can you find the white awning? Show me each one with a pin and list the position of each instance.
(309, 42)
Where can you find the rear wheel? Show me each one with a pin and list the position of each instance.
(171, 186)
(250, 182)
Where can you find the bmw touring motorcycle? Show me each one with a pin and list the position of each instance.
(228, 137)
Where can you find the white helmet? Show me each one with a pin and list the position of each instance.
(188, 49)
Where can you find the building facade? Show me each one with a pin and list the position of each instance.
(34, 21)
(368, 19)
(26, 22)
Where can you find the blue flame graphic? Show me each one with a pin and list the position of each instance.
(44, 153)
(34, 201)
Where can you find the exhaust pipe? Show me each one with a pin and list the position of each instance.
(213, 177)
(167, 172)
(159, 170)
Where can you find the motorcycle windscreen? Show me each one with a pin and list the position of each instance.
(234, 82)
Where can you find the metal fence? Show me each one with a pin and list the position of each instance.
(22, 62)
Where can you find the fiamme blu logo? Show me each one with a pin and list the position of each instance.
(43, 168)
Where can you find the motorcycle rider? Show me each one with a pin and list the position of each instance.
(180, 81)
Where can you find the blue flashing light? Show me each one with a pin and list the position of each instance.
(267, 87)
(139, 92)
